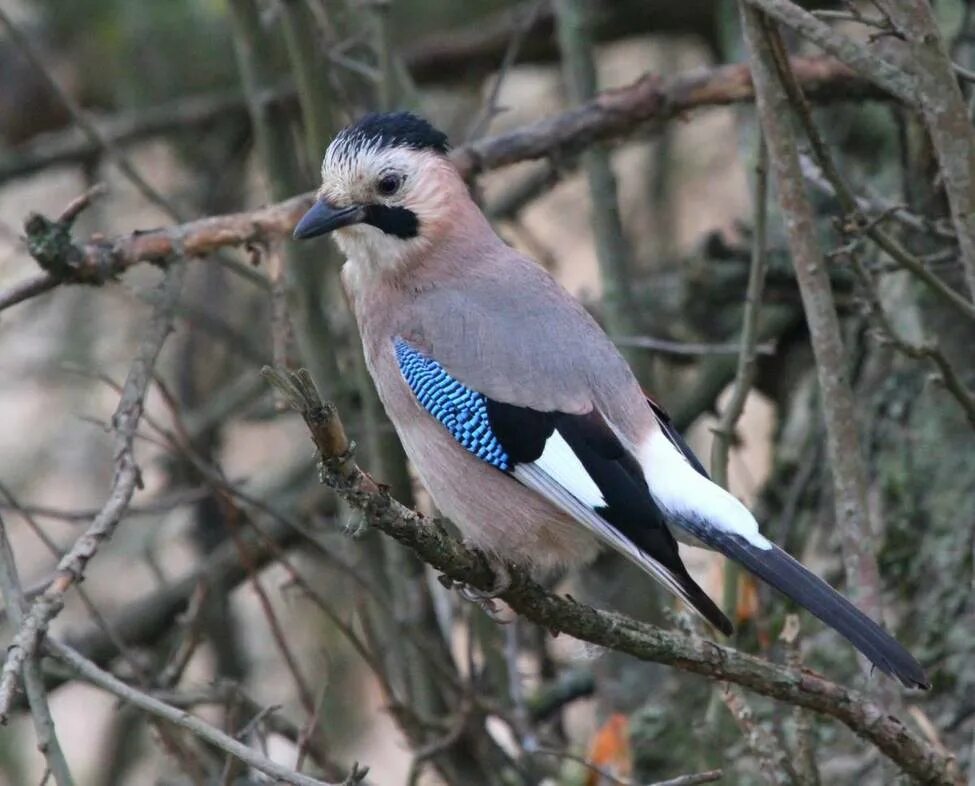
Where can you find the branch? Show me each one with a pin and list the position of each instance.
(846, 460)
(748, 352)
(861, 60)
(772, 758)
(946, 116)
(81, 119)
(611, 115)
(47, 740)
(90, 672)
(125, 422)
(614, 631)
(613, 253)
(924, 350)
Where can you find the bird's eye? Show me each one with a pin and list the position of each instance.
(389, 184)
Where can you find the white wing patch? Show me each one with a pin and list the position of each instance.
(561, 464)
(536, 478)
(679, 489)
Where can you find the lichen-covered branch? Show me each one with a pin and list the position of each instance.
(946, 115)
(563, 615)
(836, 394)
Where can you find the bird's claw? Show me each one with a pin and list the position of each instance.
(485, 599)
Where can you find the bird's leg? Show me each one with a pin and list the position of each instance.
(485, 599)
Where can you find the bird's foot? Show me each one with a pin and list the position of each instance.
(486, 600)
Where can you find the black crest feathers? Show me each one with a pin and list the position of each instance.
(391, 129)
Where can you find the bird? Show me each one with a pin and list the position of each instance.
(521, 418)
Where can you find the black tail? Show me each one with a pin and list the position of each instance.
(791, 578)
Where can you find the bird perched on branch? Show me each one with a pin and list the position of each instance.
(522, 419)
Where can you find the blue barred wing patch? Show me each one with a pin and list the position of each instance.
(462, 411)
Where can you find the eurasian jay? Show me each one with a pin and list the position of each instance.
(520, 416)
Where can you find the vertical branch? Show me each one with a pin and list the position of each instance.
(843, 443)
(772, 759)
(47, 738)
(945, 115)
(306, 283)
(612, 250)
(745, 372)
(311, 79)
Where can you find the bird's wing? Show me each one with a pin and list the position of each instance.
(573, 460)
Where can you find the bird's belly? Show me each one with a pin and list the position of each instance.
(493, 511)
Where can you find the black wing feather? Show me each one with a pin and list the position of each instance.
(629, 507)
(670, 431)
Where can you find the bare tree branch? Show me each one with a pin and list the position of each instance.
(836, 395)
(125, 422)
(47, 739)
(946, 115)
(90, 672)
(883, 74)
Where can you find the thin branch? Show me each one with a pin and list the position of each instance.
(745, 373)
(772, 759)
(490, 108)
(125, 422)
(690, 348)
(918, 351)
(613, 253)
(47, 739)
(807, 771)
(93, 674)
(81, 119)
(828, 179)
(843, 443)
(614, 631)
(880, 72)
(946, 116)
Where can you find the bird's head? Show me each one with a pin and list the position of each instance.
(387, 190)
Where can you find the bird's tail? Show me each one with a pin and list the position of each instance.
(700, 507)
(808, 590)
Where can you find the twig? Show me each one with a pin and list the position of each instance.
(613, 253)
(83, 122)
(807, 771)
(490, 108)
(945, 115)
(843, 444)
(927, 350)
(690, 348)
(90, 672)
(125, 422)
(47, 739)
(883, 74)
(745, 373)
(772, 759)
(748, 351)
(614, 631)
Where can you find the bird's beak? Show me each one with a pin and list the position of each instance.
(323, 218)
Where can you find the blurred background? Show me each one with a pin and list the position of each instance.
(227, 105)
